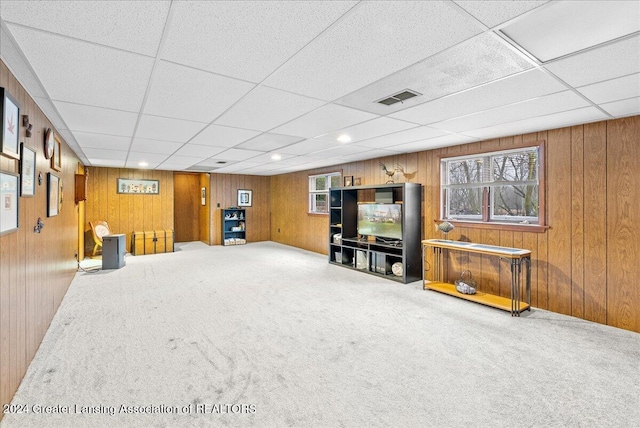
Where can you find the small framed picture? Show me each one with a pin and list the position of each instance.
(9, 184)
(348, 180)
(27, 171)
(56, 159)
(245, 198)
(10, 111)
(357, 181)
(53, 195)
(203, 196)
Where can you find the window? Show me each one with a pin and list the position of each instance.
(498, 187)
(319, 186)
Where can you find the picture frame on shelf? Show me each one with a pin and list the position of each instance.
(53, 195)
(357, 181)
(10, 132)
(138, 186)
(56, 159)
(348, 180)
(9, 184)
(245, 198)
(27, 171)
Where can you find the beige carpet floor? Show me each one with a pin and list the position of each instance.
(265, 335)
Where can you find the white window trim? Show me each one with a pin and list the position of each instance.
(313, 192)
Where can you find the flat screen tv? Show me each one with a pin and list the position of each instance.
(383, 221)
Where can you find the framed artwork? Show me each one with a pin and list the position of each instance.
(357, 181)
(135, 186)
(245, 198)
(53, 195)
(10, 127)
(56, 159)
(9, 184)
(27, 171)
(348, 180)
(203, 196)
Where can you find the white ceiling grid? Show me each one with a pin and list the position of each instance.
(224, 86)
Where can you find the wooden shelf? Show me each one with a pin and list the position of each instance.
(492, 300)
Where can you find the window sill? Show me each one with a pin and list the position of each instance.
(318, 214)
(534, 228)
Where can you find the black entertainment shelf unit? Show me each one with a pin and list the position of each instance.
(377, 256)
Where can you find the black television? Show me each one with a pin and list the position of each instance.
(384, 221)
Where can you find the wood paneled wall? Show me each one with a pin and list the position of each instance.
(224, 194)
(36, 269)
(584, 265)
(127, 213)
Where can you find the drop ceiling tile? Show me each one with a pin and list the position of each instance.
(130, 25)
(46, 105)
(97, 120)
(238, 154)
(370, 129)
(559, 120)
(613, 90)
(622, 108)
(184, 160)
(607, 62)
(269, 33)
(297, 160)
(407, 136)
(434, 143)
(106, 162)
(567, 27)
(265, 108)
(223, 136)
(308, 146)
(492, 13)
(370, 42)
(268, 141)
(136, 164)
(237, 166)
(154, 146)
(14, 59)
(102, 141)
(364, 155)
(146, 157)
(102, 76)
(213, 162)
(186, 93)
(190, 149)
(325, 119)
(92, 153)
(555, 103)
(522, 86)
(165, 129)
(474, 62)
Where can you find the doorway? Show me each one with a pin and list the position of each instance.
(186, 206)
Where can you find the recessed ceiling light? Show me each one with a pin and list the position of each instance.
(276, 157)
(344, 138)
(143, 164)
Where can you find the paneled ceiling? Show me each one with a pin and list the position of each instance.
(268, 87)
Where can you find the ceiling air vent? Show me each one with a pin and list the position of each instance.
(399, 97)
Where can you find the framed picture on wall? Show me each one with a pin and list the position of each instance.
(10, 111)
(53, 195)
(27, 171)
(135, 186)
(203, 196)
(56, 159)
(9, 184)
(245, 198)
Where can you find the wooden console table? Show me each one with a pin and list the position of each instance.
(517, 257)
